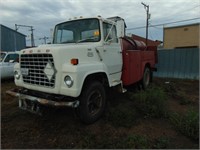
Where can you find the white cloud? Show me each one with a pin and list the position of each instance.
(44, 14)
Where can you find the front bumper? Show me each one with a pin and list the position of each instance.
(33, 103)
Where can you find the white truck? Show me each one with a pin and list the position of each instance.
(87, 55)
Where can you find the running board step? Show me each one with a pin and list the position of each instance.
(124, 90)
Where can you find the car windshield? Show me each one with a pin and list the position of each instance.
(2, 56)
(84, 30)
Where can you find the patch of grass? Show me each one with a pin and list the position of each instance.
(122, 116)
(87, 140)
(171, 88)
(152, 102)
(104, 141)
(109, 142)
(136, 142)
(162, 142)
(183, 98)
(187, 124)
(184, 101)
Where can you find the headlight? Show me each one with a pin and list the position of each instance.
(17, 75)
(68, 81)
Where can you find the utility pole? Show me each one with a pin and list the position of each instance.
(32, 36)
(146, 7)
(44, 38)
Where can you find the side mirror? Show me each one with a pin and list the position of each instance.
(108, 42)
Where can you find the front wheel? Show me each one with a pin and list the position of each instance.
(92, 102)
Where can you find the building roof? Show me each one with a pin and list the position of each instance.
(180, 26)
(12, 30)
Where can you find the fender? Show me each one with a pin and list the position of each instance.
(79, 73)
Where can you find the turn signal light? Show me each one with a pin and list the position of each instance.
(74, 61)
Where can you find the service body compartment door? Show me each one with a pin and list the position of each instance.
(131, 67)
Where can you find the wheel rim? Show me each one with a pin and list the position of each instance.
(94, 102)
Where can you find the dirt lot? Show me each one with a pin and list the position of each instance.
(63, 129)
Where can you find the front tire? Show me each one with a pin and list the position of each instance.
(92, 102)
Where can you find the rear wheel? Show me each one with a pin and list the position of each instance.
(146, 78)
(92, 102)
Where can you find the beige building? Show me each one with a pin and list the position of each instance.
(186, 36)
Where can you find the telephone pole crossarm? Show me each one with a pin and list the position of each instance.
(45, 39)
(32, 37)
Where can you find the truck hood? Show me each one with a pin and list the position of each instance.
(58, 47)
(63, 53)
(69, 46)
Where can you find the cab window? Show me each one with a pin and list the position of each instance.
(110, 33)
(12, 58)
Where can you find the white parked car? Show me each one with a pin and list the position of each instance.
(7, 62)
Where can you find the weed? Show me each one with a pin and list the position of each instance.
(187, 124)
(110, 142)
(87, 140)
(136, 141)
(162, 142)
(184, 101)
(122, 116)
(170, 87)
(152, 102)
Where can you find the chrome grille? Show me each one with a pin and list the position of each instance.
(35, 65)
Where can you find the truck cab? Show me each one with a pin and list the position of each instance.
(99, 41)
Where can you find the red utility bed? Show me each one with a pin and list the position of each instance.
(136, 56)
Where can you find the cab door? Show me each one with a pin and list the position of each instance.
(112, 54)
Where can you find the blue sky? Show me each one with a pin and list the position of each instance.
(43, 15)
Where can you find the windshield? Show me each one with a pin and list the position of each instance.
(2, 56)
(84, 30)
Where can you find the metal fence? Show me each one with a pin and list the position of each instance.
(178, 63)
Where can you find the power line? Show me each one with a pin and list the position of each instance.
(181, 12)
(164, 23)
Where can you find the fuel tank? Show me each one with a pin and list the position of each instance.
(129, 43)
